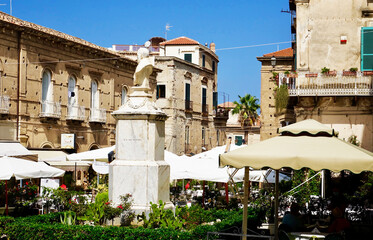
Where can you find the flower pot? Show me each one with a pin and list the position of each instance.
(330, 74)
(349, 73)
(311, 75)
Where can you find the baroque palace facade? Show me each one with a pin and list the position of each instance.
(58, 91)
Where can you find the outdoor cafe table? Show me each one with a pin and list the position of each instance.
(307, 235)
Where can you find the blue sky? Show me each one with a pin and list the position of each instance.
(227, 23)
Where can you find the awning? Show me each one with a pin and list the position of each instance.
(50, 155)
(15, 149)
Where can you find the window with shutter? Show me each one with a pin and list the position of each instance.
(367, 49)
(188, 57)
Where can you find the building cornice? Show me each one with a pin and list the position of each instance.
(7, 21)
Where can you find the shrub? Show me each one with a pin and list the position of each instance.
(23, 231)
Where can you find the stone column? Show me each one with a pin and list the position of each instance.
(139, 167)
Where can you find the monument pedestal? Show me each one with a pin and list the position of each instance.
(139, 167)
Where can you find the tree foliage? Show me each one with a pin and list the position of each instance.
(247, 109)
(281, 98)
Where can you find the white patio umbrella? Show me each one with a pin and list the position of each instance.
(97, 154)
(23, 169)
(304, 144)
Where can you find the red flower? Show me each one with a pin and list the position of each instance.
(26, 183)
(120, 206)
(69, 201)
(107, 203)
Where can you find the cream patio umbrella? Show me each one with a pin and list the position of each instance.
(304, 144)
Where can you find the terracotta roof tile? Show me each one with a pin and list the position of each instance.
(227, 105)
(180, 41)
(288, 52)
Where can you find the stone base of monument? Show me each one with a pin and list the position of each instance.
(146, 181)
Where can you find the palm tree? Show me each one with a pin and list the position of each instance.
(247, 109)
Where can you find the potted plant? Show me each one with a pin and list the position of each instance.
(351, 72)
(326, 72)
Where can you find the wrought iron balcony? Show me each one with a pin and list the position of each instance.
(98, 115)
(205, 109)
(334, 83)
(4, 104)
(50, 109)
(188, 106)
(75, 112)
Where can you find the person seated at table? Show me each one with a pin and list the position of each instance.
(292, 221)
(339, 223)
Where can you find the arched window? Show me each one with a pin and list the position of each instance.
(94, 96)
(47, 92)
(124, 95)
(72, 92)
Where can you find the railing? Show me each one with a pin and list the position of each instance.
(205, 109)
(50, 109)
(334, 83)
(188, 106)
(4, 104)
(75, 113)
(133, 48)
(98, 115)
(222, 112)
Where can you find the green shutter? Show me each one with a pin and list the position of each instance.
(188, 57)
(187, 92)
(215, 99)
(367, 49)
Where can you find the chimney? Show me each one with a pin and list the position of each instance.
(212, 47)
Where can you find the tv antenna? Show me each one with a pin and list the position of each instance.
(167, 28)
(10, 3)
(285, 11)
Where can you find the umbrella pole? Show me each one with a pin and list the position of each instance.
(245, 202)
(203, 194)
(276, 204)
(6, 197)
(226, 193)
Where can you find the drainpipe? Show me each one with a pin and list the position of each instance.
(18, 80)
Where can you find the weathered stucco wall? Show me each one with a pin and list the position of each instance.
(319, 27)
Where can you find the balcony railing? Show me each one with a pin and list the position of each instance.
(328, 84)
(133, 48)
(98, 115)
(50, 109)
(75, 113)
(188, 106)
(4, 104)
(205, 109)
(221, 112)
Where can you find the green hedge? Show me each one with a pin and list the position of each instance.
(30, 231)
(48, 227)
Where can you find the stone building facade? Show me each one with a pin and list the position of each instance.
(53, 85)
(270, 119)
(334, 68)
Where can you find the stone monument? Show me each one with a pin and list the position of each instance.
(139, 167)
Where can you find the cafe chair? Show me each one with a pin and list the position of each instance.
(282, 235)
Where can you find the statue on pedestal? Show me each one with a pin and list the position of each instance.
(144, 68)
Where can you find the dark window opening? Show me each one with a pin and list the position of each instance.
(161, 91)
(188, 57)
